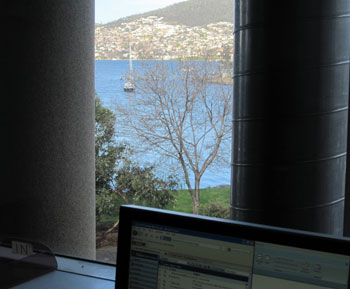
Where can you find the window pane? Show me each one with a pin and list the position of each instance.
(163, 109)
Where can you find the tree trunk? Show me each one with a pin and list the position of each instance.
(195, 197)
(195, 206)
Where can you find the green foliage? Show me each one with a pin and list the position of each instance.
(105, 204)
(217, 210)
(107, 152)
(119, 180)
(140, 185)
(183, 203)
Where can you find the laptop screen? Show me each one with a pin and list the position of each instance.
(162, 256)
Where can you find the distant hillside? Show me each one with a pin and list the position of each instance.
(190, 13)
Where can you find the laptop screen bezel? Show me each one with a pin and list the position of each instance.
(275, 235)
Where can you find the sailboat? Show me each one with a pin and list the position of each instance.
(129, 85)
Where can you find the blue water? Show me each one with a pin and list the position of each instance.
(109, 86)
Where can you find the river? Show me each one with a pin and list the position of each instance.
(109, 86)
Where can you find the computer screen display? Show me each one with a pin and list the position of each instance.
(162, 256)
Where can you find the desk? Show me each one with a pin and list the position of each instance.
(64, 280)
(74, 274)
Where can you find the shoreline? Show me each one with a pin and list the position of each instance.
(156, 59)
(223, 80)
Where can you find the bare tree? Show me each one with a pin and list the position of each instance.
(182, 111)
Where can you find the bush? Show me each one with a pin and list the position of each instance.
(217, 210)
(106, 204)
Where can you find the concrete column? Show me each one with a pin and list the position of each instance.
(49, 104)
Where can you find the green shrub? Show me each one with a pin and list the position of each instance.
(106, 204)
(217, 210)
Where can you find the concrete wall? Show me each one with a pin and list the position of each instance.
(48, 121)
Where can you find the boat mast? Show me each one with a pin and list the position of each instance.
(130, 64)
(129, 86)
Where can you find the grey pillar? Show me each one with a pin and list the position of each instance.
(290, 113)
(49, 105)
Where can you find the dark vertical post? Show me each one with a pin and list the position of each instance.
(291, 83)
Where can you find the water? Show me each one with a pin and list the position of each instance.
(109, 86)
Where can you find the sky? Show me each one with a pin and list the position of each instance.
(110, 10)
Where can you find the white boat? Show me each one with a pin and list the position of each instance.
(129, 86)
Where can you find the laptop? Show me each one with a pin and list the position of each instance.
(159, 249)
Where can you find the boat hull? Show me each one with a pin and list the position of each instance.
(129, 89)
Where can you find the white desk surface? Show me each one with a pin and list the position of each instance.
(71, 274)
(64, 280)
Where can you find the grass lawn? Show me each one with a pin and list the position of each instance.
(183, 203)
(208, 195)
